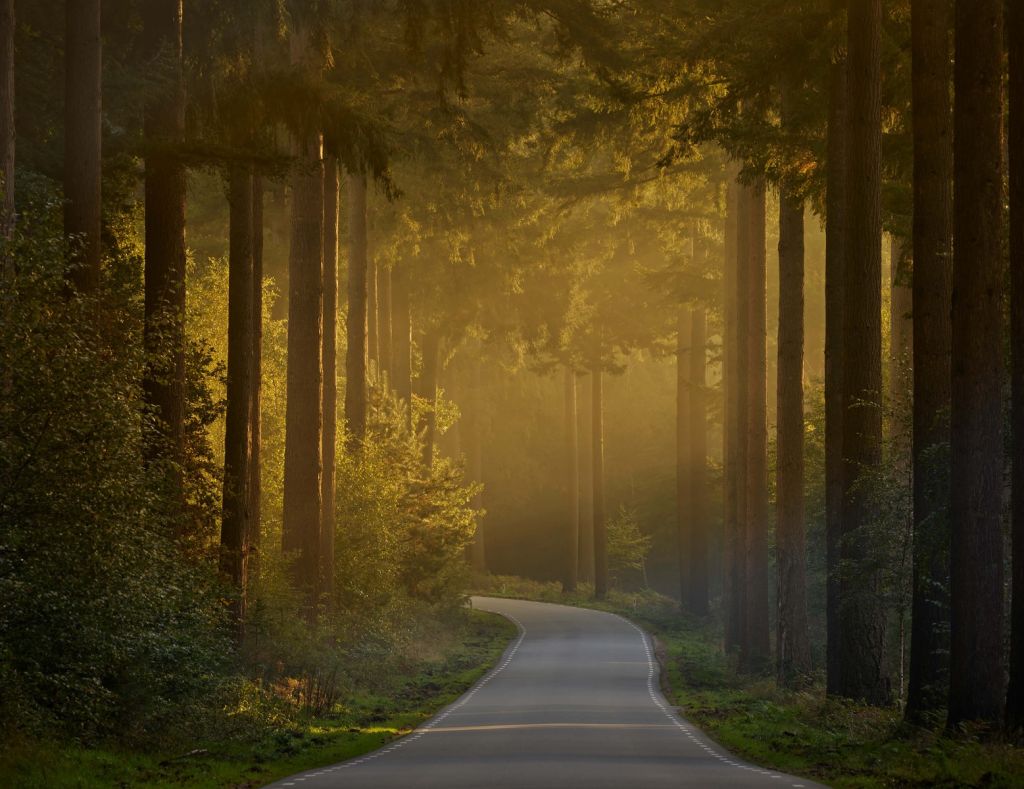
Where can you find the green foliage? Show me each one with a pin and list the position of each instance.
(627, 545)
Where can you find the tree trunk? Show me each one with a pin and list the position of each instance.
(684, 450)
(330, 372)
(428, 392)
(372, 319)
(303, 417)
(697, 599)
(862, 632)
(355, 358)
(600, 534)
(164, 385)
(584, 418)
(401, 342)
(572, 483)
(7, 131)
(792, 643)
(384, 321)
(235, 523)
(478, 548)
(83, 159)
(256, 381)
(736, 629)
(755, 652)
(835, 255)
(932, 299)
(901, 328)
(1015, 35)
(729, 523)
(976, 413)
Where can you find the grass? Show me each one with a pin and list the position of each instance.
(364, 723)
(844, 745)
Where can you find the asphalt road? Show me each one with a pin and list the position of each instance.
(574, 702)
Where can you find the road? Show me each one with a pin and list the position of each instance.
(574, 702)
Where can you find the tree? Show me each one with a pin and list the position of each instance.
(684, 450)
(976, 415)
(755, 651)
(862, 617)
(835, 256)
(303, 418)
(401, 373)
(83, 93)
(330, 373)
(699, 557)
(932, 298)
(1015, 37)
(7, 131)
(236, 526)
(356, 386)
(164, 189)
(792, 643)
(599, 526)
(572, 479)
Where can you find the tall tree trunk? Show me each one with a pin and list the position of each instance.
(478, 548)
(235, 523)
(355, 358)
(792, 643)
(597, 444)
(83, 92)
(164, 385)
(384, 320)
(303, 415)
(572, 483)
(372, 318)
(932, 299)
(684, 493)
(1015, 35)
(584, 419)
(862, 632)
(755, 652)
(976, 415)
(736, 629)
(401, 341)
(428, 392)
(7, 132)
(256, 380)
(697, 597)
(901, 328)
(835, 256)
(730, 525)
(330, 368)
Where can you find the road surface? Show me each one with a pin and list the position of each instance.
(574, 702)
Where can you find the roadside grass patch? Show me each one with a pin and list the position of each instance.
(363, 722)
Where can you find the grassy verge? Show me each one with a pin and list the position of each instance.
(365, 722)
(844, 745)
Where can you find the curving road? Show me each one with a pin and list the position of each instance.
(574, 702)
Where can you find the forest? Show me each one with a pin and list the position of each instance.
(319, 316)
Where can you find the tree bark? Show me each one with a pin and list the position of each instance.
(401, 336)
(1015, 36)
(684, 451)
(862, 632)
(330, 372)
(83, 158)
(932, 299)
(755, 652)
(256, 380)
(7, 129)
(736, 629)
(570, 575)
(235, 523)
(600, 534)
(356, 354)
(164, 188)
(835, 256)
(976, 415)
(901, 328)
(303, 416)
(697, 599)
(428, 392)
(730, 525)
(792, 642)
(384, 321)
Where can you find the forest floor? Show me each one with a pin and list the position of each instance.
(841, 744)
(365, 721)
